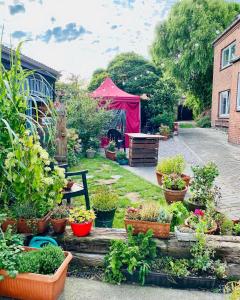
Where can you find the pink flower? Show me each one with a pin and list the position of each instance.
(199, 212)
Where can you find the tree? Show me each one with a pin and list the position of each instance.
(98, 77)
(183, 43)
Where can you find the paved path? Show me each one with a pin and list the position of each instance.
(84, 289)
(199, 146)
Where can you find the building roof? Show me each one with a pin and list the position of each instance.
(31, 64)
(235, 22)
(108, 89)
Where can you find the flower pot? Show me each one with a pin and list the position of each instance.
(192, 205)
(69, 185)
(59, 225)
(210, 231)
(185, 236)
(29, 286)
(36, 226)
(186, 178)
(104, 218)
(90, 153)
(174, 195)
(9, 222)
(81, 229)
(110, 155)
(123, 162)
(159, 177)
(159, 230)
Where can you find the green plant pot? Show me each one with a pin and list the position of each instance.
(104, 218)
(192, 205)
(123, 162)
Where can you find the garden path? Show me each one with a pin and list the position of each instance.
(199, 146)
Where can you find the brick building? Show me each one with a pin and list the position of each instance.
(226, 82)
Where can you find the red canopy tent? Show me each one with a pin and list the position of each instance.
(120, 100)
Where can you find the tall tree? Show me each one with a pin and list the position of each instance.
(183, 43)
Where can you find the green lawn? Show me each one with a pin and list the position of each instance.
(101, 168)
(187, 125)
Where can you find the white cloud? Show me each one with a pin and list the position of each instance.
(115, 26)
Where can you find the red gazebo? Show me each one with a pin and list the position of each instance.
(120, 100)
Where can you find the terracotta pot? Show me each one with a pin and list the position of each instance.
(82, 229)
(159, 230)
(174, 196)
(36, 226)
(186, 178)
(210, 231)
(9, 222)
(110, 155)
(159, 177)
(29, 286)
(59, 225)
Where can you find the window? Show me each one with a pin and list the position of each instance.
(228, 54)
(224, 104)
(238, 93)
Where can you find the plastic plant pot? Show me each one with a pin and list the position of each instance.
(104, 218)
(81, 229)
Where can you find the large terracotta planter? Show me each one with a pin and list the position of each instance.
(30, 286)
(59, 225)
(82, 229)
(159, 177)
(174, 195)
(9, 222)
(36, 226)
(110, 155)
(159, 230)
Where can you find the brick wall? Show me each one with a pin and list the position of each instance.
(226, 79)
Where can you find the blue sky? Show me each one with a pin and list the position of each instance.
(78, 36)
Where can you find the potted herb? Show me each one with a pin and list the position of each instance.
(81, 221)
(202, 186)
(122, 158)
(59, 219)
(110, 151)
(226, 227)
(90, 152)
(149, 216)
(164, 131)
(174, 188)
(104, 203)
(199, 217)
(172, 165)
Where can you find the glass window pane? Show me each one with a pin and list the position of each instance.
(225, 57)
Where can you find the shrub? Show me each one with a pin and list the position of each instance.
(226, 227)
(164, 130)
(51, 258)
(204, 122)
(29, 262)
(104, 199)
(73, 147)
(173, 182)
(175, 164)
(121, 155)
(179, 214)
(111, 146)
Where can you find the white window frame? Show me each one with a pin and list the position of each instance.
(238, 93)
(230, 55)
(224, 95)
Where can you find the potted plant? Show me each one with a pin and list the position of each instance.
(172, 165)
(81, 221)
(59, 218)
(202, 186)
(164, 131)
(110, 151)
(149, 216)
(10, 220)
(122, 158)
(104, 203)
(174, 188)
(199, 217)
(90, 152)
(69, 184)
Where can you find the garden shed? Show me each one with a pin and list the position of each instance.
(127, 106)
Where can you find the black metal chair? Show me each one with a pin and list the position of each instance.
(117, 137)
(78, 189)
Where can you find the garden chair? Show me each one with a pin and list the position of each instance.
(77, 189)
(117, 137)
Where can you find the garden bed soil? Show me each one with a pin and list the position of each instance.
(29, 286)
(171, 281)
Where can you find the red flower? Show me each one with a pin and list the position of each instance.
(199, 212)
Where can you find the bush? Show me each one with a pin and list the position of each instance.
(175, 164)
(104, 199)
(204, 122)
(179, 214)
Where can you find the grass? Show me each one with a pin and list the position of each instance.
(101, 168)
(186, 125)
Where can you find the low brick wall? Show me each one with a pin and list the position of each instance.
(90, 250)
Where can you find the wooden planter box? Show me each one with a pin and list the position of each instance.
(159, 230)
(166, 280)
(30, 286)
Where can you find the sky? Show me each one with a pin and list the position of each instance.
(79, 36)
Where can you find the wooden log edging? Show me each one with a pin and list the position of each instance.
(92, 248)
